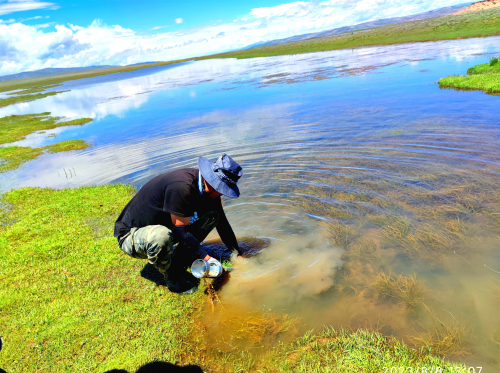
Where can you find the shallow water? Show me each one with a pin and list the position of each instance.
(355, 164)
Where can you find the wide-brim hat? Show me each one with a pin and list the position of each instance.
(222, 175)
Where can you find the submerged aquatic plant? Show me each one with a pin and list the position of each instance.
(255, 329)
(406, 289)
(443, 339)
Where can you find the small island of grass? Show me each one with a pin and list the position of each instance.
(16, 127)
(484, 77)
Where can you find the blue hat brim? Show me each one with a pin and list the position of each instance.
(205, 166)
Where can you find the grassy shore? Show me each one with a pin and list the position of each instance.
(16, 127)
(477, 24)
(71, 301)
(484, 77)
(24, 98)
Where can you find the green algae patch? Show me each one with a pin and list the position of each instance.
(72, 301)
(17, 127)
(484, 77)
(469, 25)
(11, 157)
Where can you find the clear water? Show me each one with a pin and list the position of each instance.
(341, 151)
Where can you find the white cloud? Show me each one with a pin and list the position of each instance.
(12, 20)
(179, 20)
(12, 6)
(157, 27)
(32, 18)
(24, 47)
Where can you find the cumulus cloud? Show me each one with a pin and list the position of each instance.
(179, 20)
(26, 47)
(12, 6)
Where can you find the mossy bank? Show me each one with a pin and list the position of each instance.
(71, 301)
(484, 77)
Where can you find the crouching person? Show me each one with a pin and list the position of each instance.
(173, 212)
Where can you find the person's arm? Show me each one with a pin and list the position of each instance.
(183, 235)
(225, 231)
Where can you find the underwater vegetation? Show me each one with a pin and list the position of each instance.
(414, 239)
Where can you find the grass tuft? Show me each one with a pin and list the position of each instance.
(11, 157)
(405, 289)
(17, 127)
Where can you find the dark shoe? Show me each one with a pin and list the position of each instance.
(181, 282)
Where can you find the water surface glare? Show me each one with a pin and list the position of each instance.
(355, 165)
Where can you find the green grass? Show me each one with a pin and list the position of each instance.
(11, 157)
(485, 68)
(17, 127)
(32, 90)
(71, 301)
(342, 351)
(477, 24)
(25, 98)
(484, 77)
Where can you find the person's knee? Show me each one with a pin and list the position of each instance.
(160, 239)
(159, 243)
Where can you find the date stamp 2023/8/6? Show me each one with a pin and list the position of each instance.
(436, 369)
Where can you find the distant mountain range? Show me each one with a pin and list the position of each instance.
(367, 25)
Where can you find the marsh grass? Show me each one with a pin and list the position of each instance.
(33, 90)
(25, 98)
(483, 23)
(263, 329)
(484, 77)
(345, 351)
(407, 290)
(17, 127)
(11, 157)
(444, 339)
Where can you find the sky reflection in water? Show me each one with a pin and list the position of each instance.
(294, 123)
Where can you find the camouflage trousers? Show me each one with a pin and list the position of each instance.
(157, 244)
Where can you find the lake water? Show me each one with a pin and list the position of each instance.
(355, 164)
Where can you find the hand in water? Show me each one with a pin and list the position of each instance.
(237, 260)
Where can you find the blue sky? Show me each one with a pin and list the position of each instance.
(140, 15)
(36, 34)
